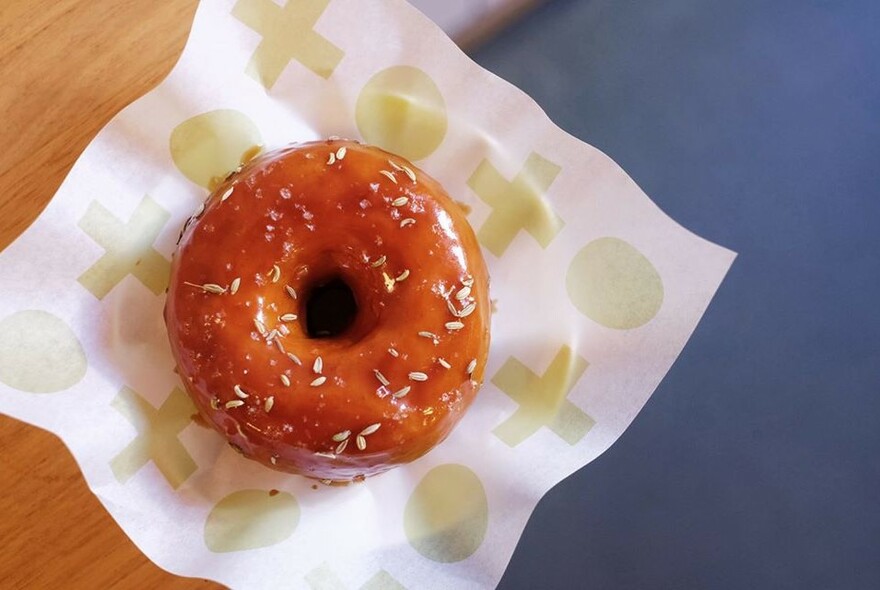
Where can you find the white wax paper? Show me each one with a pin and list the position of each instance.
(602, 284)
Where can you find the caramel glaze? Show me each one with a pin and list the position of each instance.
(318, 221)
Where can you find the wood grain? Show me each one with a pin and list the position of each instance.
(68, 66)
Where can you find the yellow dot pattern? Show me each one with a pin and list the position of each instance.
(251, 519)
(401, 110)
(39, 353)
(157, 438)
(128, 248)
(288, 34)
(543, 400)
(517, 205)
(613, 284)
(207, 147)
(446, 518)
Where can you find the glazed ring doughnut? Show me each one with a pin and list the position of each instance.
(329, 310)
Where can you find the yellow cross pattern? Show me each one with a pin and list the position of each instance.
(157, 436)
(288, 34)
(324, 578)
(518, 204)
(543, 401)
(129, 248)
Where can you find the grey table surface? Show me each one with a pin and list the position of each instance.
(755, 124)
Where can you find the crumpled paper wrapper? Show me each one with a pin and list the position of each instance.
(596, 292)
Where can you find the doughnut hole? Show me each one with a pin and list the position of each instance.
(331, 309)
(338, 306)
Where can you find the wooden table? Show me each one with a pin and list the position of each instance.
(67, 66)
